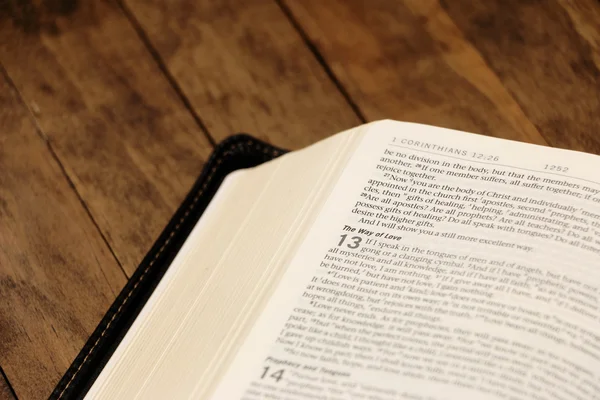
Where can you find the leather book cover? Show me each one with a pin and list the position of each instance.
(236, 152)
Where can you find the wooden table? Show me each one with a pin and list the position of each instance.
(108, 110)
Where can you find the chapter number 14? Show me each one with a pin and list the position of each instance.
(269, 374)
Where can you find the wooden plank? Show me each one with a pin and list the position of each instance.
(408, 61)
(243, 67)
(6, 392)
(57, 275)
(547, 55)
(125, 139)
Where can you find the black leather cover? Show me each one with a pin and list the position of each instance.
(236, 152)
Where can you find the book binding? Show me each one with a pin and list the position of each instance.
(236, 152)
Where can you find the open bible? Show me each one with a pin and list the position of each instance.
(390, 261)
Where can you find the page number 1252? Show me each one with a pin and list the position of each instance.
(555, 168)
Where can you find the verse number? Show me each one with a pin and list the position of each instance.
(275, 375)
(557, 168)
(355, 241)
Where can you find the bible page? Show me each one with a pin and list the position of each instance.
(443, 265)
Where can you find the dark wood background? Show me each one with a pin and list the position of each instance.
(109, 108)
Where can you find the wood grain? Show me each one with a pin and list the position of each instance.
(57, 275)
(546, 53)
(243, 67)
(408, 61)
(6, 392)
(120, 96)
(125, 139)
